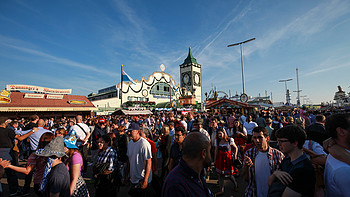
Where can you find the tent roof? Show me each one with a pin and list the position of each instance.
(132, 112)
(231, 102)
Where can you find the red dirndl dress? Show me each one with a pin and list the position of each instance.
(224, 162)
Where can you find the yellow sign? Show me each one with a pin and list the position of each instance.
(77, 102)
(5, 96)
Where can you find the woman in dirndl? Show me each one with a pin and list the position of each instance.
(225, 154)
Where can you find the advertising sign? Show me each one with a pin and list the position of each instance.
(5, 96)
(53, 96)
(77, 102)
(40, 96)
(38, 89)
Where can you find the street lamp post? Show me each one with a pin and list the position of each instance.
(298, 91)
(287, 93)
(298, 97)
(240, 43)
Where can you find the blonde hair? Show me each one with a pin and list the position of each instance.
(166, 129)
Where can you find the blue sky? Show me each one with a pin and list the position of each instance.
(81, 44)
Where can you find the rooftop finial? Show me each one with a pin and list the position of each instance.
(190, 58)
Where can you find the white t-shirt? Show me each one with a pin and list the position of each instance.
(80, 134)
(184, 123)
(138, 153)
(126, 124)
(262, 173)
(336, 176)
(250, 126)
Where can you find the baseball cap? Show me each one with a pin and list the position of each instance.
(101, 120)
(134, 126)
(69, 144)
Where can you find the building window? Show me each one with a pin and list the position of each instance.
(161, 88)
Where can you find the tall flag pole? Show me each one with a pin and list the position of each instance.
(121, 88)
(124, 77)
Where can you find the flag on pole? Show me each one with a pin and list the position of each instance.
(173, 86)
(127, 78)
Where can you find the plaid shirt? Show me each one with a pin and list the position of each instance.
(108, 156)
(275, 158)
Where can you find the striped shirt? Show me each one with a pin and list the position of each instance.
(108, 156)
(275, 158)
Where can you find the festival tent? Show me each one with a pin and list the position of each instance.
(132, 112)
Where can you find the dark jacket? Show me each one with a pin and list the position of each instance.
(96, 134)
(121, 143)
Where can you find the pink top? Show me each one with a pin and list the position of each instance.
(39, 167)
(75, 159)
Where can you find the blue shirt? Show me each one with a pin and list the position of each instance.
(35, 137)
(190, 125)
(182, 181)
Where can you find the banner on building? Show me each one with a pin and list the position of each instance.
(53, 96)
(38, 96)
(38, 89)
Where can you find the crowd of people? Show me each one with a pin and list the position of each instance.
(289, 153)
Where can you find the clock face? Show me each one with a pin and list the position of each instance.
(244, 98)
(186, 79)
(196, 78)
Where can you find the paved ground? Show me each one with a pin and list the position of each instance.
(212, 183)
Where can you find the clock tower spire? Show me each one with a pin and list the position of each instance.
(191, 77)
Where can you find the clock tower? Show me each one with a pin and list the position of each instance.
(191, 77)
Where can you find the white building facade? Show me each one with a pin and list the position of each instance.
(159, 87)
